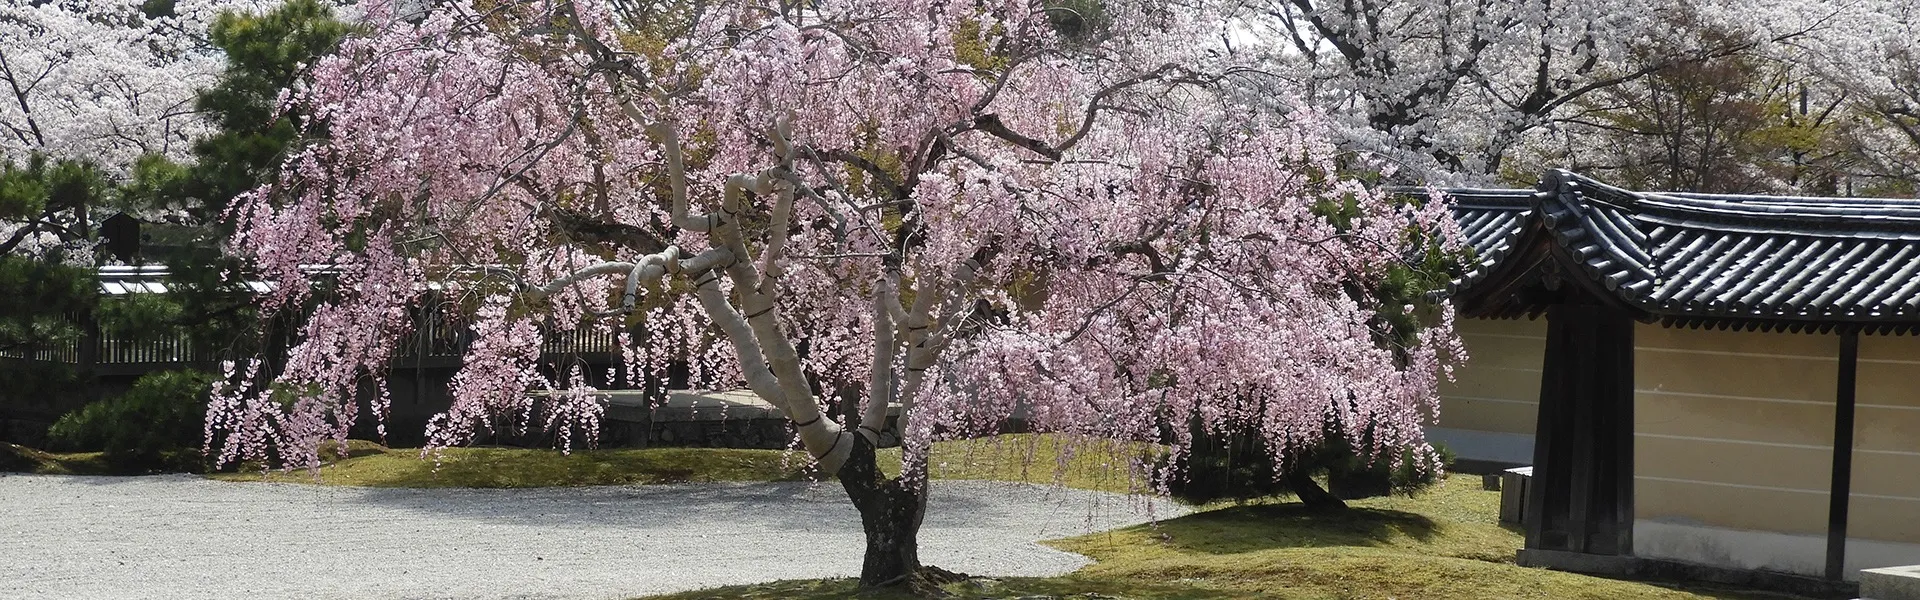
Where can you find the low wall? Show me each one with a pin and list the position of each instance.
(1489, 411)
(1734, 449)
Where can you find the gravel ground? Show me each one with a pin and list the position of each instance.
(178, 536)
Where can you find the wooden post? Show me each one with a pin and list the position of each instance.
(1840, 492)
(1622, 455)
(1546, 434)
(1582, 494)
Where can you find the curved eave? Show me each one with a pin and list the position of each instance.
(1692, 260)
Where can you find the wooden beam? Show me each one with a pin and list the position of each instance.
(1839, 493)
(1581, 499)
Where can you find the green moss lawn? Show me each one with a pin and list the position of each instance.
(15, 458)
(1007, 458)
(1443, 544)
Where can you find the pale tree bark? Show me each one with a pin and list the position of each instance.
(891, 509)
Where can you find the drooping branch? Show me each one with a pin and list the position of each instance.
(649, 270)
(990, 124)
(568, 280)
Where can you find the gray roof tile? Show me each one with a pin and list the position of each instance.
(1705, 258)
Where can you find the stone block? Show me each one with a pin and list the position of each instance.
(1515, 485)
(1891, 583)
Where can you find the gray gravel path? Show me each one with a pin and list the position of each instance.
(177, 536)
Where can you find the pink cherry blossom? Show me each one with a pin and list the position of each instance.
(953, 210)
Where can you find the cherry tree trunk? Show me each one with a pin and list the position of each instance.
(1310, 492)
(890, 512)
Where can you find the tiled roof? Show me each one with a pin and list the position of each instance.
(147, 279)
(1752, 261)
(116, 280)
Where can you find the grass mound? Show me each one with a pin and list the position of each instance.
(15, 458)
(1444, 544)
(1030, 458)
(371, 465)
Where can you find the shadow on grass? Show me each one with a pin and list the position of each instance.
(1056, 588)
(806, 589)
(1252, 528)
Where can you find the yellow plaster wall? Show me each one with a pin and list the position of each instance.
(1734, 429)
(1498, 388)
(1886, 436)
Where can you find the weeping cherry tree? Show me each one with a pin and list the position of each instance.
(971, 212)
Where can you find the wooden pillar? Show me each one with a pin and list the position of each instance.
(1840, 492)
(1582, 494)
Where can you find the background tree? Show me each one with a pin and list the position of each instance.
(41, 289)
(1478, 92)
(966, 210)
(193, 157)
(104, 80)
(1728, 125)
(90, 88)
(1874, 60)
(1811, 113)
(252, 134)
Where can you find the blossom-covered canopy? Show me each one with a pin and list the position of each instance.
(971, 211)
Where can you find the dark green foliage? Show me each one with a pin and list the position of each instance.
(137, 317)
(49, 192)
(156, 426)
(1238, 467)
(265, 54)
(36, 298)
(38, 292)
(1230, 467)
(41, 297)
(157, 9)
(1079, 21)
(43, 302)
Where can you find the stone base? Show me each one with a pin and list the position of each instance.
(1891, 583)
(1633, 567)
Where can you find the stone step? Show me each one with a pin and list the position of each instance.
(1891, 583)
(688, 405)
